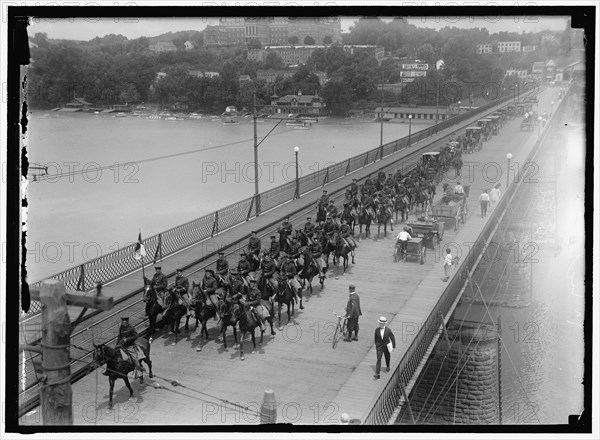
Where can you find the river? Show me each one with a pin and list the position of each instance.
(89, 212)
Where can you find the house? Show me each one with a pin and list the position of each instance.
(244, 78)
(308, 105)
(163, 46)
(484, 48)
(519, 73)
(202, 74)
(509, 46)
(528, 48)
(439, 64)
(79, 103)
(188, 45)
(160, 75)
(377, 51)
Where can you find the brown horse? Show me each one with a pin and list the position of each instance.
(247, 322)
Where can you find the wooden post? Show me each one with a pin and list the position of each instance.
(55, 393)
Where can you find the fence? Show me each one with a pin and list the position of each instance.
(384, 405)
(109, 267)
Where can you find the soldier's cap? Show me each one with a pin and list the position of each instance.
(308, 218)
(325, 191)
(179, 270)
(328, 217)
(253, 232)
(221, 253)
(354, 180)
(157, 267)
(351, 287)
(243, 254)
(331, 201)
(209, 270)
(272, 237)
(124, 318)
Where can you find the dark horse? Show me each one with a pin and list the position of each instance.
(321, 213)
(285, 295)
(202, 311)
(308, 272)
(118, 368)
(153, 308)
(173, 314)
(383, 218)
(248, 322)
(364, 218)
(341, 250)
(402, 205)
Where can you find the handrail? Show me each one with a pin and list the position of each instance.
(116, 264)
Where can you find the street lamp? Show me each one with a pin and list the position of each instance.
(508, 158)
(551, 107)
(409, 128)
(539, 126)
(459, 107)
(297, 194)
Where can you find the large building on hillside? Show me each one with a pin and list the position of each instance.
(272, 30)
(163, 46)
(484, 48)
(509, 46)
(307, 105)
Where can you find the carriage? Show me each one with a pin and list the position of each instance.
(520, 109)
(452, 206)
(431, 231)
(431, 162)
(473, 139)
(527, 123)
(511, 111)
(414, 248)
(485, 125)
(494, 124)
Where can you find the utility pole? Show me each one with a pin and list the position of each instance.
(55, 393)
(381, 124)
(437, 105)
(256, 195)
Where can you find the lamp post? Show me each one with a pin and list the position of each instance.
(551, 107)
(381, 119)
(539, 126)
(409, 128)
(297, 193)
(459, 107)
(256, 195)
(508, 158)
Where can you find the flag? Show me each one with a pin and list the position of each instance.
(140, 251)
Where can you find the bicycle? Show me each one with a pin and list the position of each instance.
(340, 329)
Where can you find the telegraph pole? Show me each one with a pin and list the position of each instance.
(437, 105)
(381, 124)
(256, 195)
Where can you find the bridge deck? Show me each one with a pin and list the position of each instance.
(313, 383)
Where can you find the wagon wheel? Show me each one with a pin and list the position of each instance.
(434, 240)
(423, 251)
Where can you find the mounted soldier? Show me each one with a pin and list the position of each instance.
(274, 250)
(354, 188)
(209, 287)
(289, 269)
(346, 234)
(285, 231)
(369, 205)
(332, 211)
(126, 344)
(181, 288)
(252, 300)
(159, 281)
(254, 246)
(222, 271)
(244, 268)
(269, 271)
(309, 228)
(323, 200)
(316, 251)
(329, 228)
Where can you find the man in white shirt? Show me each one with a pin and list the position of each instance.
(484, 198)
(494, 195)
(447, 263)
(403, 238)
(458, 189)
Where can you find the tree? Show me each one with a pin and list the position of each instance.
(327, 39)
(426, 53)
(293, 40)
(308, 40)
(273, 61)
(338, 96)
(253, 43)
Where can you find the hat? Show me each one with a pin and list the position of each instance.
(221, 253)
(272, 237)
(331, 201)
(157, 267)
(179, 270)
(351, 287)
(382, 320)
(209, 270)
(243, 254)
(308, 218)
(324, 190)
(124, 318)
(253, 232)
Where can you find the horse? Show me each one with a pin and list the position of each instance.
(153, 306)
(118, 368)
(173, 314)
(401, 204)
(383, 218)
(285, 295)
(202, 311)
(341, 250)
(227, 318)
(321, 213)
(308, 272)
(247, 322)
(349, 215)
(364, 218)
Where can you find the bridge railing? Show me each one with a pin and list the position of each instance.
(384, 405)
(114, 265)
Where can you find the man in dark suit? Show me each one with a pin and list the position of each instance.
(383, 336)
(352, 313)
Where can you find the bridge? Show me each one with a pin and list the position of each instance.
(313, 383)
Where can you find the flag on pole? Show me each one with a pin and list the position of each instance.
(140, 251)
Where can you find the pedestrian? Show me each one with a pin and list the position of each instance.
(448, 260)
(484, 198)
(385, 343)
(494, 195)
(352, 313)
(344, 419)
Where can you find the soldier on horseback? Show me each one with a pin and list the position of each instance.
(329, 228)
(309, 227)
(274, 251)
(244, 268)
(209, 287)
(289, 268)
(354, 188)
(285, 231)
(345, 233)
(159, 281)
(269, 270)
(323, 200)
(222, 271)
(316, 251)
(252, 300)
(181, 288)
(368, 204)
(254, 244)
(126, 342)
(332, 211)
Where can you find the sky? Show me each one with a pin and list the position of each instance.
(88, 28)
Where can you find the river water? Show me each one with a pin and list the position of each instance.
(87, 212)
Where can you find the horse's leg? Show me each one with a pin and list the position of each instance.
(224, 334)
(149, 363)
(111, 382)
(279, 306)
(242, 345)
(126, 379)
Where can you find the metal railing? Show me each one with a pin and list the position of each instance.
(384, 405)
(114, 265)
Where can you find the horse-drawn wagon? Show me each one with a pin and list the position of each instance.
(431, 231)
(431, 163)
(527, 123)
(452, 206)
(495, 124)
(473, 139)
(414, 248)
(485, 125)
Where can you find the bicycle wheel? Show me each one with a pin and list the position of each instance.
(337, 335)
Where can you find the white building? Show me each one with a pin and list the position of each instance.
(519, 73)
(509, 46)
(484, 48)
(188, 45)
